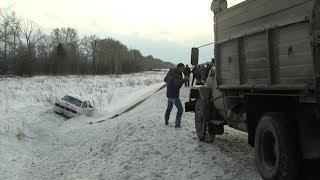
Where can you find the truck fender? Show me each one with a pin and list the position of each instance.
(205, 92)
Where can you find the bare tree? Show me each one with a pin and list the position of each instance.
(31, 34)
(9, 32)
(66, 36)
(69, 38)
(4, 32)
(88, 48)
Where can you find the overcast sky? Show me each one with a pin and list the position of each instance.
(166, 29)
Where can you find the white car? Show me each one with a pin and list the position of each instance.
(72, 106)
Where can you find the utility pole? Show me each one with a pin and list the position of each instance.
(205, 45)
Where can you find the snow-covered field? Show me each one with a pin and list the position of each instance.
(26, 108)
(21, 97)
(35, 143)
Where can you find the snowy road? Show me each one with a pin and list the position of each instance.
(135, 145)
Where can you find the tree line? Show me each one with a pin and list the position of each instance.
(26, 50)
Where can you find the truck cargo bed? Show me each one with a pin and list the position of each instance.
(266, 43)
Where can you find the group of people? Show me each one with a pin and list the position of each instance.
(175, 80)
(199, 74)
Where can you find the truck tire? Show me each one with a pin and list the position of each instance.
(276, 148)
(201, 121)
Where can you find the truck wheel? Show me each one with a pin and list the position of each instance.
(201, 121)
(276, 148)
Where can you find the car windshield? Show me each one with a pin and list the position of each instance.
(72, 100)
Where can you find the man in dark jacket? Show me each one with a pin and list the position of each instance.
(186, 74)
(174, 82)
(196, 75)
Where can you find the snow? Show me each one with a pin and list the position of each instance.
(110, 95)
(134, 145)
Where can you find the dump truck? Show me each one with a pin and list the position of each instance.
(266, 82)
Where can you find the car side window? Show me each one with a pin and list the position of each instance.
(75, 101)
(85, 105)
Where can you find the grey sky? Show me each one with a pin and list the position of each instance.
(166, 29)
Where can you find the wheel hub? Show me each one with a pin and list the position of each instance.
(269, 151)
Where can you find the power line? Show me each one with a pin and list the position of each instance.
(205, 45)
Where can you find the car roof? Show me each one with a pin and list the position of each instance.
(77, 97)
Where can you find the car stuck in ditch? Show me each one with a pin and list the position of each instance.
(72, 106)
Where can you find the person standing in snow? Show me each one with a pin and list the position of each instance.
(186, 74)
(196, 75)
(174, 81)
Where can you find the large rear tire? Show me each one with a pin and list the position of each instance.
(276, 148)
(201, 121)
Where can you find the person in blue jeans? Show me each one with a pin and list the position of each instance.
(174, 81)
